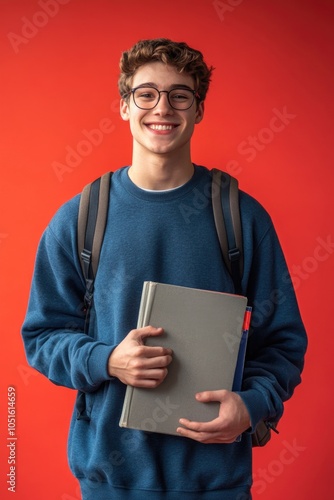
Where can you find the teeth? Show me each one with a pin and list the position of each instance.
(161, 127)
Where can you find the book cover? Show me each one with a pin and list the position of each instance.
(204, 329)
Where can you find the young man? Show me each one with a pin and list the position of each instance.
(163, 85)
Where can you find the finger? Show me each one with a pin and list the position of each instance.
(154, 351)
(150, 378)
(189, 434)
(140, 365)
(147, 383)
(148, 331)
(155, 362)
(211, 426)
(207, 396)
(141, 334)
(153, 374)
(204, 437)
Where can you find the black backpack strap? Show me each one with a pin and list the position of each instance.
(225, 204)
(226, 211)
(92, 219)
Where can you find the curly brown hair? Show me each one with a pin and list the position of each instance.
(178, 54)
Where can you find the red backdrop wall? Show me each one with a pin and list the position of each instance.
(268, 117)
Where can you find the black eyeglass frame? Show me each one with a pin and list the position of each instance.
(194, 92)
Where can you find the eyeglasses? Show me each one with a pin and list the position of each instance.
(178, 98)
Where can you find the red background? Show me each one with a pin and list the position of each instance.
(60, 78)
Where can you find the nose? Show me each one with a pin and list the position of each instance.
(163, 106)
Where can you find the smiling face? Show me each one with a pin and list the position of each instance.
(162, 130)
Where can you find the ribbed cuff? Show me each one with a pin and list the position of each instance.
(256, 406)
(98, 364)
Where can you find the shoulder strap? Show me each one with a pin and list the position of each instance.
(225, 204)
(92, 218)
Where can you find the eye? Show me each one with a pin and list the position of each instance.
(181, 95)
(145, 94)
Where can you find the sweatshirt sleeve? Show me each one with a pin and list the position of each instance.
(277, 340)
(53, 330)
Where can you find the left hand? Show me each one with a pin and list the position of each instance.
(233, 419)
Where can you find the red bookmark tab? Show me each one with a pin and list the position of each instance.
(247, 319)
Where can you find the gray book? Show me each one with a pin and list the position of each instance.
(204, 330)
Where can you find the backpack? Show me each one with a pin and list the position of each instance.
(92, 221)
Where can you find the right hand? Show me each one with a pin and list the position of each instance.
(136, 364)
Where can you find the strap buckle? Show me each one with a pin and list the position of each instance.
(234, 254)
(86, 256)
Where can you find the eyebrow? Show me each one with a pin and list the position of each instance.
(174, 86)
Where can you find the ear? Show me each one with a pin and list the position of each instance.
(199, 112)
(124, 109)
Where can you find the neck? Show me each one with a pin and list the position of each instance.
(159, 172)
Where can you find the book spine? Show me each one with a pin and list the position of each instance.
(237, 382)
(123, 421)
(145, 309)
(143, 320)
(239, 370)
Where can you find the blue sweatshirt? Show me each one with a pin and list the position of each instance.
(167, 237)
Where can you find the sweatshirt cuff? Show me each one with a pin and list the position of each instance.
(256, 406)
(98, 364)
